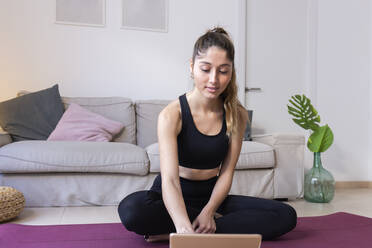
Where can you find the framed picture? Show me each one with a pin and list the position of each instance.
(81, 12)
(148, 15)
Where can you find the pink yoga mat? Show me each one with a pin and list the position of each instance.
(339, 230)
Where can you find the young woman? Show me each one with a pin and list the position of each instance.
(200, 137)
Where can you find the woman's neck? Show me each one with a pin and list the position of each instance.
(203, 104)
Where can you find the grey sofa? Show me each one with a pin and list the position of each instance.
(60, 173)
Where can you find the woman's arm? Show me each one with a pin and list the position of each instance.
(168, 121)
(223, 184)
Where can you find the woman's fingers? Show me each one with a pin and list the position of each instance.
(200, 229)
(210, 229)
(195, 225)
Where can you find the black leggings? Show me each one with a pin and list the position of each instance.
(144, 212)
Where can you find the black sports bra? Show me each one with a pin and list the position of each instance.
(195, 149)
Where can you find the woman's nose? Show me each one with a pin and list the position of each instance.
(213, 76)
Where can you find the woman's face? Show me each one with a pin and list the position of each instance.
(212, 72)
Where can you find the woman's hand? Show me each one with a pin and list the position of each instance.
(185, 229)
(204, 223)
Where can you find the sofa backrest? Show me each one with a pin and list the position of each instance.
(115, 108)
(147, 112)
(140, 118)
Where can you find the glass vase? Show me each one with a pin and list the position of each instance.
(319, 183)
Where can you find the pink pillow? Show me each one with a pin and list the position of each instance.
(78, 123)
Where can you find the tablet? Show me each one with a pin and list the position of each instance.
(200, 240)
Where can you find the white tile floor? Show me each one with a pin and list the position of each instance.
(356, 201)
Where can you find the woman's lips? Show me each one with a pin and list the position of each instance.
(212, 89)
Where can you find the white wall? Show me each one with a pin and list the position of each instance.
(276, 61)
(343, 85)
(288, 51)
(89, 61)
(321, 49)
(370, 93)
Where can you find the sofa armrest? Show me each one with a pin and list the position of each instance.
(289, 162)
(4, 138)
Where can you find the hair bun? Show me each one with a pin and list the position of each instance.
(218, 30)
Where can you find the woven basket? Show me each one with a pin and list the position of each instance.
(12, 203)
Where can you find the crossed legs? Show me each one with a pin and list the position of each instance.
(144, 213)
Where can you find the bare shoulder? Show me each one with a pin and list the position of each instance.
(172, 111)
(170, 117)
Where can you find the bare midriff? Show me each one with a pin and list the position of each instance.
(198, 174)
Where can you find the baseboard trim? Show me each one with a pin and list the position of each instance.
(353, 184)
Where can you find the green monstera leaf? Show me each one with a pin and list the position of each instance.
(321, 139)
(305, 114)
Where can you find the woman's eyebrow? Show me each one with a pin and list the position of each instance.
(205, 62)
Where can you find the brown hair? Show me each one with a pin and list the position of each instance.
(219, 37)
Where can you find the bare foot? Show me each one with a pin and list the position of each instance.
(155, 238)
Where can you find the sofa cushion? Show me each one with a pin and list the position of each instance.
(147, 112)
(153, 154)
(114, 108)
(253, 155)
(4, 138)
(80, 124)
(73, 156)
(32, 116)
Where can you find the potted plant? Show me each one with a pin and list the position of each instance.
(319, 183)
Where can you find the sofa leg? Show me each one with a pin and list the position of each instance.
(281, 199)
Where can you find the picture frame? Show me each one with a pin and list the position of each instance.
(145, 15)
(70, 12)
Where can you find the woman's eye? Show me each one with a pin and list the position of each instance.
(223, 72)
